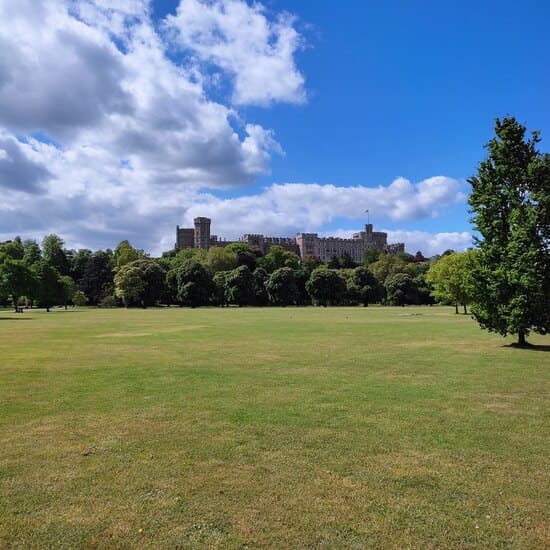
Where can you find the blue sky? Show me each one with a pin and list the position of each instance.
(270, 117)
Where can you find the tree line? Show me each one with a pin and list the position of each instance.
(33, 275)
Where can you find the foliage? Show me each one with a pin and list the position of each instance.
(67, 289)
(218, 294)
(401, 290)
(12, 249)
(260, 293)
(239, 286)
(16, 280)
(278, 257)
(220, 259)
(365, 285)
(79, 298)
(130, 284)
(370, 256)
(48, 287)
(97, 276)
(510, 203)
(326, 287)
(390, 264)
(126, 253)
(451, 278)
(282, 288)
(54, 254)
(194, 283)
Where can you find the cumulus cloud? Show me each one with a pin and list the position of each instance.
(300, 206)
(261, 60)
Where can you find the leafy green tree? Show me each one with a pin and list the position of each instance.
(326, 287)
(366, 285)
(345, 261)
(12, 249)
(218, 295)
(510, 203)
(401, 290)
(195, 285)
(260, 293)
(78, 263)
(130, 284)
(126, 253)
(451, 278)
(282, 288)
(239, 286)
(32, 253)
(309, 263)
(79, 298)
(16, 280)
(54, 254)
(278, 257)
(245, 254)
(370, 256)
(97, 276)
(390, 264)
(67, 289)
(48, 286)
(220, 259)
(154, 277)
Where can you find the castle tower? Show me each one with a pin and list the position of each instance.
(202, 233)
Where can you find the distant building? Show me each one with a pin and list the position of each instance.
(304, 244)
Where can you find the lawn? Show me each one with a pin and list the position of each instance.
(280, 428)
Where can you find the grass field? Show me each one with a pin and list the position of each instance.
(281, 428)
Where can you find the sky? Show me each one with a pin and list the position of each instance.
(120, 119)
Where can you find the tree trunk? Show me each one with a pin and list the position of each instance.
(521, 339)
(465, 312)
(15, 304)
(456, 308)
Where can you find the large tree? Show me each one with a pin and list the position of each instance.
(451, 278)
(510, 203)
(16, 280)
(326, 287)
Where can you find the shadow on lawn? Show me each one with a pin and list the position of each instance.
(18, 318)
(529, 347)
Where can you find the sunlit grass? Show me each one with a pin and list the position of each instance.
(330, 428)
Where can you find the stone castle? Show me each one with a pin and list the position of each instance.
(304, 244)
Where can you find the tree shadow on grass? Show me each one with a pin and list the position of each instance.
(529, 347)
(18, 318)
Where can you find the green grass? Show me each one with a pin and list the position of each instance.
(282, 428)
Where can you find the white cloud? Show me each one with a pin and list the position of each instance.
(261, 59)
(300, 206)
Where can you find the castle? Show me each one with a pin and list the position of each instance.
(303, 245)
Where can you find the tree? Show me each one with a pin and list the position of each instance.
(401, 290)
(366, 285)
(154, 277)
(16, 280)
(260, 293)
(195, 286)
(239, 286)
(278, 257)
(32, 254)
(282, 288)
(67, 289)
(54, 254)
(326, 287)
(451, 279)
(12, 249)
(48, 285)
(130, 284)
(97, 276)
(218, 294)
(126, 253)
(510, 203)
(390, 264)
(220, 259)
(79, 298)
(78, 263)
